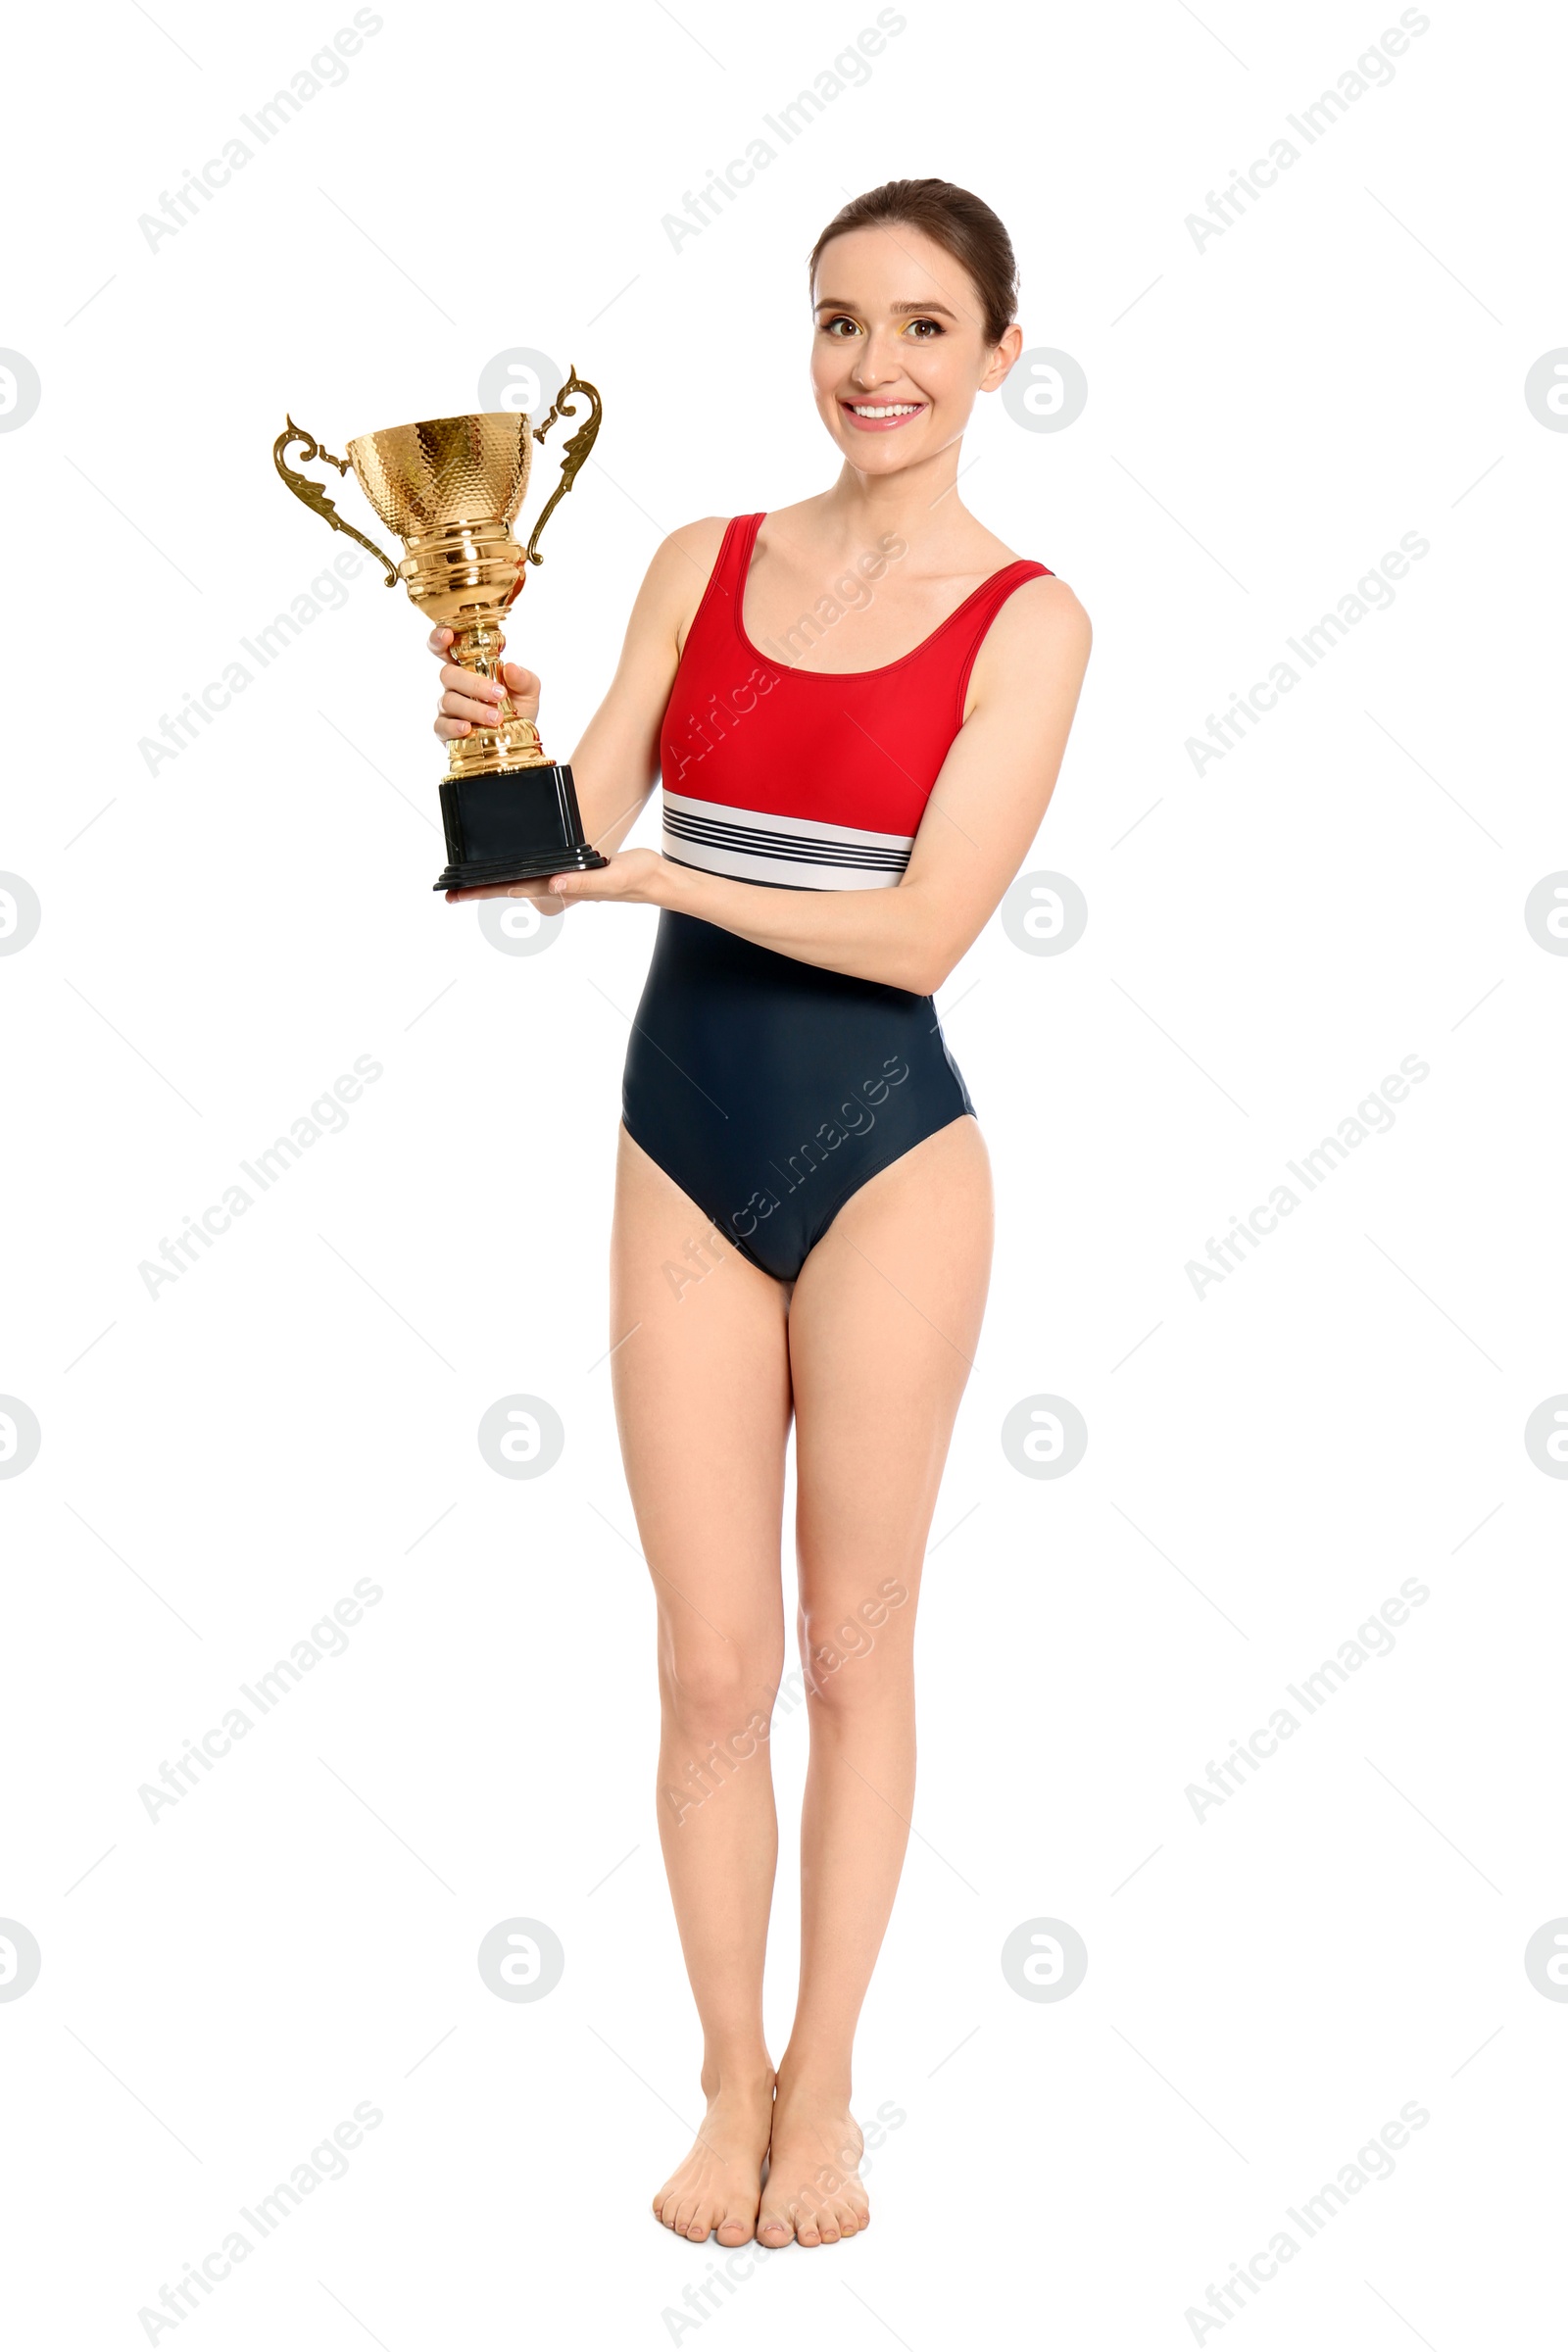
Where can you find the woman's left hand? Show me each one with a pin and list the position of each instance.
(632, 874)
(636, 875)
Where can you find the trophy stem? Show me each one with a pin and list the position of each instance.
(478, 645)
(513, 741)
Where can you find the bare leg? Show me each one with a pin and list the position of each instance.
(703, 1402)
(882, 1328)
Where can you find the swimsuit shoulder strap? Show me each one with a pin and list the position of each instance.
(714, 622)
(977, 615)
(728, 577)
(990, 597)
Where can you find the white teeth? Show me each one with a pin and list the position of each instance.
(905, 408)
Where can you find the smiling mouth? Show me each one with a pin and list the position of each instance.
(882, 416)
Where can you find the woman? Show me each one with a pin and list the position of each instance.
(802, 1207)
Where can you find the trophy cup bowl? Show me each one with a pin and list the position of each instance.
(451, 488)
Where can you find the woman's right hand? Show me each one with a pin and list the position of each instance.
(469, 701)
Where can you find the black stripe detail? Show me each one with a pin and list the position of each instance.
(802, 849)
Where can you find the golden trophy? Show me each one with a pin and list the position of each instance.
(449, 489)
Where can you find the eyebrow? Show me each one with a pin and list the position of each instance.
(918, 310)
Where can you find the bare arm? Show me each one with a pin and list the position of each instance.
(984, 810)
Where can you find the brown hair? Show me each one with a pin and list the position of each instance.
(950, 218)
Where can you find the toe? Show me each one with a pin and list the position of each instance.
(712, 2207)
(773, 2231)
(734, 2230)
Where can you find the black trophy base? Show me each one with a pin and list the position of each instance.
(522, 826)
(466, 873)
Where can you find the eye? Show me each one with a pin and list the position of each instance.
(924, 330)
(830, 327)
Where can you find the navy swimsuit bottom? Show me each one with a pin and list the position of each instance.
(770, 1090)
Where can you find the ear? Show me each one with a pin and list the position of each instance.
(1003, 359)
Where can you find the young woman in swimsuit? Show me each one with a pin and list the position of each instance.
(859, 706)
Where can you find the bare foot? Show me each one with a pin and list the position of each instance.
(718, 2186)
(815, 2193)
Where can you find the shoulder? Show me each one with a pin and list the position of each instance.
(692, 549)
(1034, 655)
(702, 539)
(1040, 621)
(678, 573)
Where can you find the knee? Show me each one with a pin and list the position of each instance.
(713, 1687)
(850, 1669)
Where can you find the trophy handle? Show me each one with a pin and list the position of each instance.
(574, 454)
(312, 495)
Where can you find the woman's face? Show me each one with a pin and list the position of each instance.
(899, 348)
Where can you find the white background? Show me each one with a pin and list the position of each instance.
(1266, 1464)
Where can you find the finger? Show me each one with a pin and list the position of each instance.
(438, 640)
(505, 890)
(449, 728)
(470, 682)
(540, 898)
(519, 681)
(468, 706)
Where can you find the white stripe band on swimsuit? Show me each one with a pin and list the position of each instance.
(802, 853)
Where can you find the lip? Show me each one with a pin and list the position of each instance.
(881, 425)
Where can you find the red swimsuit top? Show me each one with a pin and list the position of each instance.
(799, 778)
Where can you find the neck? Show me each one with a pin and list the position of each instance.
(919, 502)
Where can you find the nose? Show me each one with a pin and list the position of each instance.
(879, 362)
